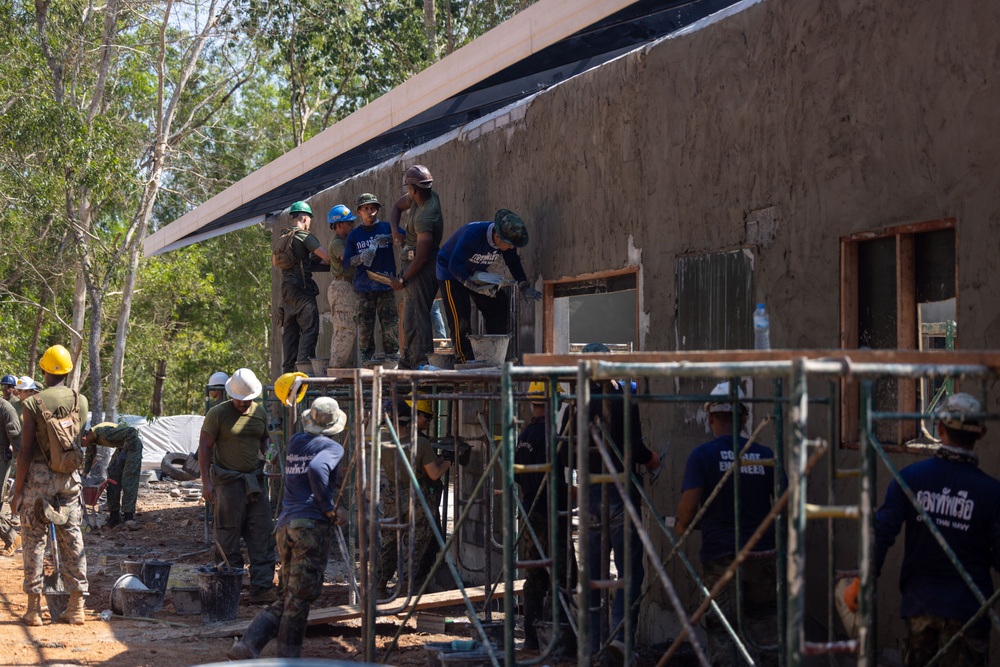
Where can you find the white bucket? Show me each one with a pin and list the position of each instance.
(490, 348)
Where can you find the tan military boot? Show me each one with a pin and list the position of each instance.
(74, 609)
(34, 614)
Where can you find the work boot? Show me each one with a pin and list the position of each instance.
(74, 610)
(290, 637)
(262, 629)
(114, 519)
(14, 546)
(33, 616)
(263, 595)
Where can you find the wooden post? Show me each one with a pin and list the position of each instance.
(161, 374)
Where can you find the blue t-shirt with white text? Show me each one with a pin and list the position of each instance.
(385, 262)
(312, 480)
(471, 249)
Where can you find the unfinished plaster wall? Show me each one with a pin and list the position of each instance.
(779, 129)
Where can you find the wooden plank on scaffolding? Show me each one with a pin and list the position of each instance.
(348, 612)
(906, 331)
(988, 358)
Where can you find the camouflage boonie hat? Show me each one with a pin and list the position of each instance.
(954, 413)
(367, 198)
(510, 228)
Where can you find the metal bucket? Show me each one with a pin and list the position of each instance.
(490, 348)
(319, 367)
(220, 593)
(133, 567)
(445, 361)
(140, 603)
(129, 582)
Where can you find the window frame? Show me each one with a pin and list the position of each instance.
(548, 301)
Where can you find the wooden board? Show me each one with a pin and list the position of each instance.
(348, 612)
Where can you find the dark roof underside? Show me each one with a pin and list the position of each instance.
(642, 22)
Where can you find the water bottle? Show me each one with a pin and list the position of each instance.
(761, 329)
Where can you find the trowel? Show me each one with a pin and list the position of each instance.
(663, 457)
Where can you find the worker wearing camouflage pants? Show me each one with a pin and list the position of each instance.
(45, 485)
(124, 469)
(10, 445)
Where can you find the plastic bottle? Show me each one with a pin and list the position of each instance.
(761, 328)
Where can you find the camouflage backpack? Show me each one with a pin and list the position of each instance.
(283, 251)
(65, 454)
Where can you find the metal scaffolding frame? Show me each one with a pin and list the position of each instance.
(497, 389)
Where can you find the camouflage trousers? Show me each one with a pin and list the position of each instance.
(43, 483)
(303, 547)
(381, 305)
(759, 611)
(343, 309)
(124, 469)
(926, 635)
(7, 531)
(425, 546)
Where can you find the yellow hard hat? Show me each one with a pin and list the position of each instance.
(284, 384)
(539, 389)
(56, 360)
(423, 406)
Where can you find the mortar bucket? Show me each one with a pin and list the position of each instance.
(220, 593)
(133, 567)
(140, 603)
(187, 600)
(494, 633)
(125, 582)
(490, 348)
(155, 574)
(56, 602)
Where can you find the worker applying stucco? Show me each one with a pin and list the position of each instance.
(474, 247)
(369, 250)
(417, 281)
(292, 252)
(340, 294)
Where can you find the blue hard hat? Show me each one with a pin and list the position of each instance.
(339, 213)
(8, 380)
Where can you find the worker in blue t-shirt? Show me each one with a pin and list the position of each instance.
(304, 532)
(719, 540)
(368, 248)
(964, 503)
(474, 247)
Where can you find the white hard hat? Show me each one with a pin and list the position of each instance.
(244, 385)
(218, 379)
(724, 404)
(25, 383)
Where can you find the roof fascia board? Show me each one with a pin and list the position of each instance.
(537, 27)
(204, 236)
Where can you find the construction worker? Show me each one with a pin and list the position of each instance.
(25, 387)
(340, 294)
(299, 314)
(964, 503)
(417, 281)
(8, 384)
(233, 440)
(610, 414)
(368, 249)
(305, 532)
(215, 390)
(41, 494)
(123, 471)
(428, 468)
(533, 449)
(10, 446)
(474, 247)
(719, 537)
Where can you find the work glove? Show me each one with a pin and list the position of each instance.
(383, 240)
(529, 292)
(485, 290)
(851, 595)
(368, 255)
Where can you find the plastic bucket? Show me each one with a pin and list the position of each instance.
(139, 602)
(56, 602)
(565, 641)
(319, 366)
(445, 361)
(125, 582)
(494, 633)
(187, 600)
(133, 567)
(491, 349)
(220, 593)
(155, 574)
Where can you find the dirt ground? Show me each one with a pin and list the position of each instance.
(171, 529)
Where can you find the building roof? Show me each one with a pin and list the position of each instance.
(544, 45)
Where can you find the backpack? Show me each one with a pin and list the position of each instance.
(284, 255)
(65, 454)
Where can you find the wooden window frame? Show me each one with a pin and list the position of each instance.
(548, 300)
(907, 335)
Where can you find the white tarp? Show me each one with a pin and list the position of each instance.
(178, 433)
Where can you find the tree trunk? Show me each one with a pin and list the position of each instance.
(76, 335)
(156, 409)
(33, 349)
(430, 30)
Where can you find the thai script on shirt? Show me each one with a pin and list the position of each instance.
(947, 510)
(485, 257)
(297, 464)
(727, 462)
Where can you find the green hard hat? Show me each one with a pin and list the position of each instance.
(300, 207)
(511, 228)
